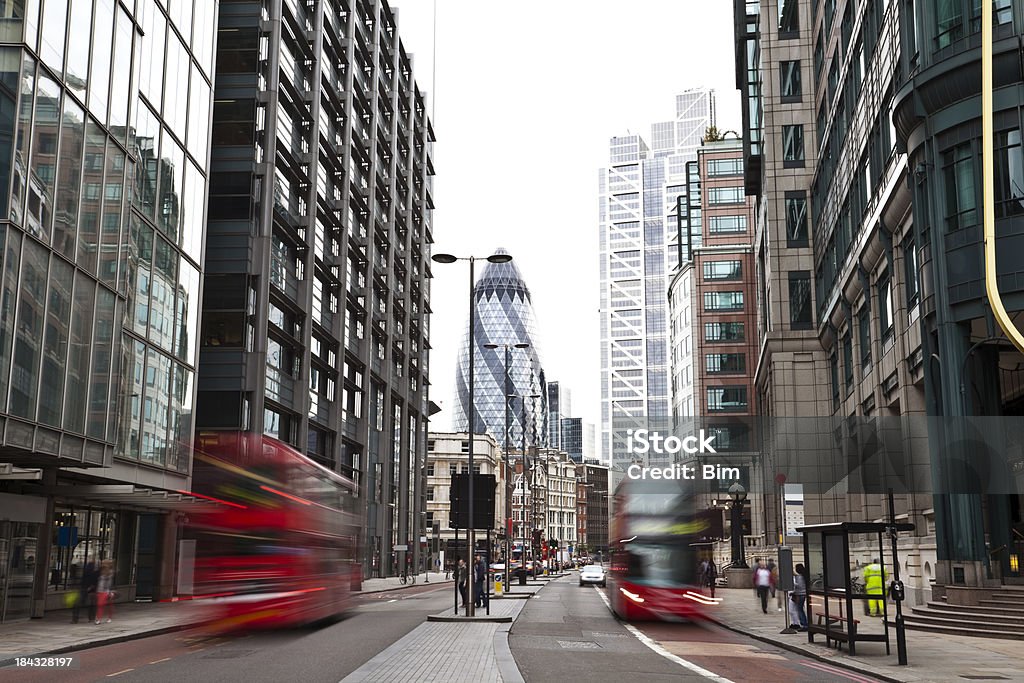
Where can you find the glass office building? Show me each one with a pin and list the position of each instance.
(104, 151)
(315, 318)
(504, 315)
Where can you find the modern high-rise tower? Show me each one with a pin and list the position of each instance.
(639, 249)
(504, 315)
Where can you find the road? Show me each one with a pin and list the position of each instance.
(569, 633)
(324, 655)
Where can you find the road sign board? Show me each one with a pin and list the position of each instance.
(403, 546)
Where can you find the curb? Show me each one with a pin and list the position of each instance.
(113, 640)
(402, 588)
(807, 653)
(506, 619)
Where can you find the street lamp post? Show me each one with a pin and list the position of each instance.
(739, 495)
(508, 478)
(471, 537)
(528, 484)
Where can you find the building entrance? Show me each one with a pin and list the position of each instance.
(17, 568)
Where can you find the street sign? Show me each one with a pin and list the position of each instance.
(403, 546)
(423, 539)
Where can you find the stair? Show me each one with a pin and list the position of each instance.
(1001, 616)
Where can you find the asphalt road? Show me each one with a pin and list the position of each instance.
(568, 633)
(309, 655)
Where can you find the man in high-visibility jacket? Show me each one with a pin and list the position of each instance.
(874, 584)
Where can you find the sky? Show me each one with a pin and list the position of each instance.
(525, 97)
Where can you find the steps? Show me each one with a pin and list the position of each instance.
(1001, 616)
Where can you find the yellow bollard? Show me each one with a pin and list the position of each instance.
(497, 587)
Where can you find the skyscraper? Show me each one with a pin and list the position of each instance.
(315, 315)
(639, 250)
(559, 408)
(504, 315)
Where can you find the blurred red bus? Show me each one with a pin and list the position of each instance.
(278, 548)
(654, 539)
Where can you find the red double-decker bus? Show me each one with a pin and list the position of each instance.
(277, 546)
(655, 538)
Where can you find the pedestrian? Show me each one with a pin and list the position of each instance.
(105, 591)
(874, 580)
(479, 579)
(764, 581)
(86, 592)
(711, 576)
(799, 596)
(461, 576)
(771, 568)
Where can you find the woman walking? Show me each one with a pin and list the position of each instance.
(800, 595)
(105, 591)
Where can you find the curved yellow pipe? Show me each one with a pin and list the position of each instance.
(988, 183)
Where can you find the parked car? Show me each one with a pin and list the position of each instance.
(593, 574)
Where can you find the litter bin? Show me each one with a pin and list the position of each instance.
(522, 576)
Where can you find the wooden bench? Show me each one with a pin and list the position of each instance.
(833, 617)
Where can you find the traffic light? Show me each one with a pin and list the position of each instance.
(536, 540)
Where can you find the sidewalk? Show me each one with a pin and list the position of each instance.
(449, 651)
(932, 657)
(55, 633)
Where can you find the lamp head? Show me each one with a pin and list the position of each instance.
(522, 345)
(738, 493)
(444, 258)
(499, 258)
(490, 346)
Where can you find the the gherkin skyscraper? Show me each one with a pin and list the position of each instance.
(504, 315)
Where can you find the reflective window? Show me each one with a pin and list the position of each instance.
(151, 54)
(10, 64)
(727, 399)
(723, 301)
(723, 331)
(8, 300)
(164, 284)
(172, 180)
(202, 37)
(789, 17)
(55, 345)
(176, 86)
(31, 312)
(120, 92)
(1009, 173)
(961, 187)
(77, 75)
(789, 72)
(180, 446)
(723, 270)
(99, 74)
(19, 188)
(39, 213)
(113, 202)
(181, 15)
(147, 143)
(93, 166)
(12, 21)
(793, 143)
(135, 359)
(72, 143)
(155, 403)
(187, 318)
(726, 195)
(796, 222)
(78, 354)
(193, 203)
(800, 300)
(199, 118)
(51, 45)
(718, 225)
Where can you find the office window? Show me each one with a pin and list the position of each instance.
(800, 300)
(1009, 173)
(430, 469)
(465, 447)
(848, 361)
(723, 225)
(430, 493)
(727, 399)
(911, 274)
(961, 187)
(789, 18)
(723, 332)
(864, 325)
(949, 22)
(793, 144)
(885, 307)
(796, 220)
(789, 73)
(724, 167)
(723, 270)
(723, 301)
(726, 195)
(834, 369)
(725, 362)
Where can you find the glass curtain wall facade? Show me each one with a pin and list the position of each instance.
(559, 408)
(315, 320)
(104, 152)
(639, 251)
(504, 315)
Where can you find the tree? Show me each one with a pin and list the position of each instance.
(712, 134)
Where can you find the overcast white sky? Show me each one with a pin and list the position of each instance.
(527, 95)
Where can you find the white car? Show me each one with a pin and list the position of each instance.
(592, 573)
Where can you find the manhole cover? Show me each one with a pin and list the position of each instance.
(578, 645)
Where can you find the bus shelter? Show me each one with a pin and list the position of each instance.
(831, 590)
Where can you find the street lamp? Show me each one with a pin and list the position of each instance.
(739, 496)
(508, 478)
(471, 538)
(526, 477)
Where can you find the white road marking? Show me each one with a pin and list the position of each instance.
(651, 643)
(120, 672)
(165, 659)
(393, 600)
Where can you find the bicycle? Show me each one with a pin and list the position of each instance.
(406, 577)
